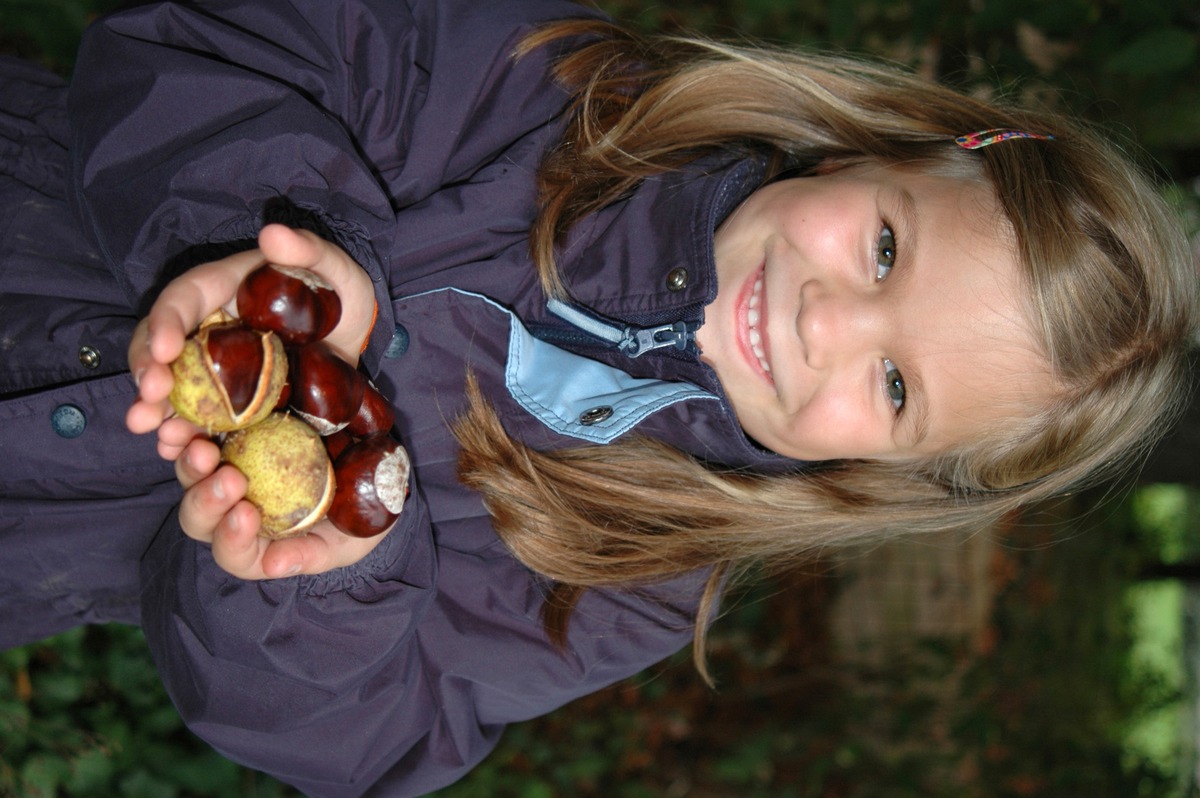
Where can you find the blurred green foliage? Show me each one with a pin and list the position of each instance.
(48, 30)
(85, 715)
(1040, 712)
(1129, 65)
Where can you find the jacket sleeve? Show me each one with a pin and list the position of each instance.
(390, 681)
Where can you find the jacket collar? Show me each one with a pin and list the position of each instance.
(648, 260)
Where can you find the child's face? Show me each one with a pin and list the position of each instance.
(869, 312)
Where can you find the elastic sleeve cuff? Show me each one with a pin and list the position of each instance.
(403, 559)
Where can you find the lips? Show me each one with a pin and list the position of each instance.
(753, 330)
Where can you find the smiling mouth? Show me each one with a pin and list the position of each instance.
(755, 316)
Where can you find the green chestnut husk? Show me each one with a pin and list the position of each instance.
(289, 476)
(228, 376)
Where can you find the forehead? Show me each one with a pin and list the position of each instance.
(965, 331)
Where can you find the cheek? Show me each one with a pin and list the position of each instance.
(834, 427)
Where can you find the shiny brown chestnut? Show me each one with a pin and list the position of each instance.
(326, 390)
(298, 305)
(375, 413)
(372, 484)
(228, 376)
(338, 442)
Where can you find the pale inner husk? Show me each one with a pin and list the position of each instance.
(391, 480)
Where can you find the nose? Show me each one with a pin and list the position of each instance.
(836, 323)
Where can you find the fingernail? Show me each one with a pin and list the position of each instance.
(218, 489)
(295, 569)
(137, 377)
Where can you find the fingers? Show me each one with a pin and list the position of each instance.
(200, 458)
(152, 407)
(289, 246)
(322, 549)
(154, 383)
(175, 435)
(188, 299)
(208, 499)
(214, 511)
(158, 339)
(236, 545)
(306, 554)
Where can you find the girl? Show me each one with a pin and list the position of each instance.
(648, 313)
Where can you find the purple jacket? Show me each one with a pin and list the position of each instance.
(405, 132)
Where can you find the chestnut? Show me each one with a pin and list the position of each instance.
(372, 484)
(289, 477)
(338, 442)
(298, 305)
(326, 390)
(375, 413)
(228, 376)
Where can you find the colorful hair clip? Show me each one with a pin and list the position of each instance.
(982, 138)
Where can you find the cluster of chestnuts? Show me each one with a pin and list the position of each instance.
(310, 433)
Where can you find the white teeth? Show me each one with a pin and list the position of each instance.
(762, 359)
(752, 320)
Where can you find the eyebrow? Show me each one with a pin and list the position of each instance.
(916, 416)
(910, 220)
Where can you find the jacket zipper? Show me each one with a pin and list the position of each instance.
(628, 339)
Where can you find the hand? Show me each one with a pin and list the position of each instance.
(213, 508)
(214, 511)
(158, 339)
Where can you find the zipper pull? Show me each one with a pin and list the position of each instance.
(639, 340)
(629, 340)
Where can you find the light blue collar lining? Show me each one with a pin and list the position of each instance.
(580, 397)
(577, 396)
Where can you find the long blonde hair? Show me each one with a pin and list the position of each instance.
(1111, 281)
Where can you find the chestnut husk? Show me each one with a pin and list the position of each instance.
(228, 376)
(289, 476)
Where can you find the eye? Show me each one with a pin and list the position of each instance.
(893, 384)
(885, 253)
